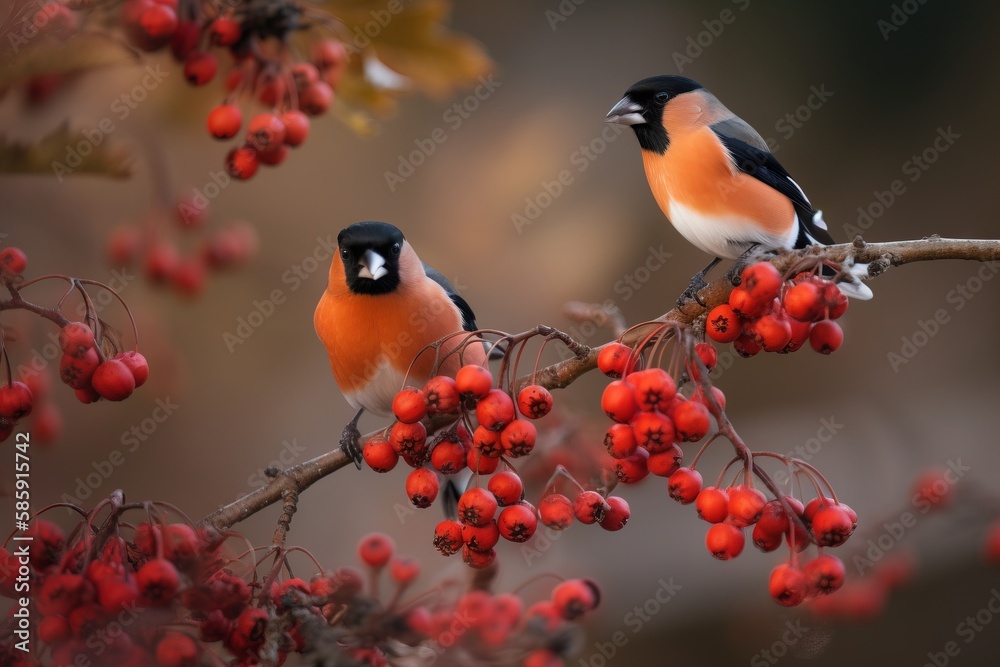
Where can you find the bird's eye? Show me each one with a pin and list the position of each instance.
(661, 97)
(396, 248)
(345, 254)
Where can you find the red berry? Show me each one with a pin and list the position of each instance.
(653, 431)
(54, 629)
(746, 346)
(161, 261)
(772, 332)
(200, 68)
(831, 526)
(517, 523)
(518, 438)
(632, 469)
(507, 487)
(691, 421)
(75, 339)
(824, 574)
(61, 593)
(15, 401)
(481, 538)
(556, 511)
(788, 585)
(747, 305)
(746, 504)
(448, 537)
(478, 559)
(422, 487)
(158, 582)
(803, 302)
(265, 131)
(181, 544)
(800, 334)
(137, 364)
(725, 541)
(473, 381)
(534, 401)
(176, 649)
(684, 485)
(665, 463)
(487, 442)
(408, 438)
(834, 300)
(590, 507)
(495, 410)
(762, 280)
(712, 504)
(185, 39)
(826, 337)
(620, 441)
(723, 324)
(113, 380)
(618, 401)
(328, 53)
(612, 359)
(189, 276)
(224, 31)
(379, 455)
(654, 389)
(316, 98)
(13, 261)
(932, 490)
(479, 462)
(158, 22)
(296, 127)
(441, 395)
(123, 245)
(409, 405)
(706, 352)
(77, 371)
(242, 162)
(617, 515)
(375, 549)
(575, 597)
(476, 507)
(449, 454)
(225, 121)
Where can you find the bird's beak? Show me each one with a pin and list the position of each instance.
(372, 266)
(626, 112)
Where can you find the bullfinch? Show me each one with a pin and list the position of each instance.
(381, 306)
(714, 177)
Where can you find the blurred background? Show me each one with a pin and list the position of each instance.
(850, 93)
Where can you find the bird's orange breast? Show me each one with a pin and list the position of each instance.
(696, 172)
(362, 332)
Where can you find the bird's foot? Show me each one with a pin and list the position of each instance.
(350, 442)
(691, 292)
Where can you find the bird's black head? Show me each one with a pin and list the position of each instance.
(642, 108)
(370, 252)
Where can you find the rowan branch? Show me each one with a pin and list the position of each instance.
(879, 256)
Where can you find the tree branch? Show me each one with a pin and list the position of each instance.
(879, 257)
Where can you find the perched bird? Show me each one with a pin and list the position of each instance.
(714, 177)
(381, 306)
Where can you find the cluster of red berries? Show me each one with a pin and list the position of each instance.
(91, 363)
(162, 260)
(500, 435)
(255, 36)
(172, 595)
(765, 312)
